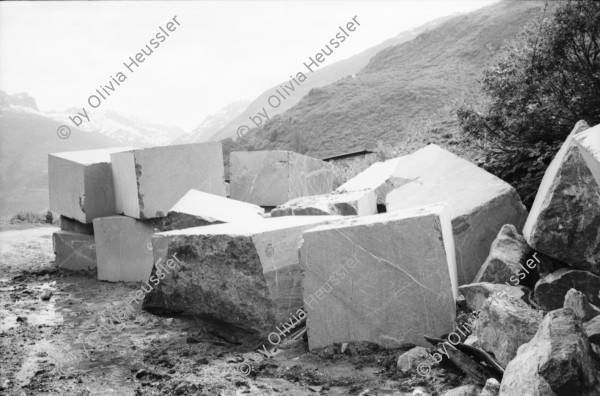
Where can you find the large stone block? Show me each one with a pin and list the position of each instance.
(74, 251)
(379, 177)
(360, 203)
(245, 274)
(564, 222)
(148, 182)
(81, 184)
(198, 208)
(479, 202)
(123, 248)
(387, 278)
(271, 178)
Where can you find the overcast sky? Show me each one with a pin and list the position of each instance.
(61, 52)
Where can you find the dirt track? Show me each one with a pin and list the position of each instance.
(43, 351)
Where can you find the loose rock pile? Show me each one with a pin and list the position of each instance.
(449, 231)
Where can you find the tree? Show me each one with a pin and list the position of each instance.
(544, 81)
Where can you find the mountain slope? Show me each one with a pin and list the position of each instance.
(213, 123)
(401, 86)
(319, 78)
(26, 138)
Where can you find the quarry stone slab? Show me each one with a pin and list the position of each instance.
(378, 177)
(360, 203)
(550, 291)
(74, 251)
(123, 248)
(246, 274)
(148, 182)
(271, 178)
(479, 202)
(388, 278)
(80, 184)
(197, 208)
(564, 222)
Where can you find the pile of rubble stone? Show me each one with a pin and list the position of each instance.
(384, 258)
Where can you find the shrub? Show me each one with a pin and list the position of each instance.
(544, 81)
(27, 216)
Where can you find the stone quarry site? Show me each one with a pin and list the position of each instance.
(422, 275)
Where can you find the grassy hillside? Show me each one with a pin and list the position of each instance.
(322, 77)
(406, 94)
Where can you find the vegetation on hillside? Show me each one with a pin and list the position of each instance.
(544, 81)
(418, 82)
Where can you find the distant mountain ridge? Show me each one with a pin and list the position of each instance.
(127, 130)
(213, 123)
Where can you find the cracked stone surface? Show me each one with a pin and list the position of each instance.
(388, 278)
(508, 257)
(550, 291)
(359, 203)
(479, 202)
(564, 222)
(504, 324)
(557, 361)
(148, 182)
(477, 293)
(74, 251)
(245, 274)
(271, 178)
(592, 329)
(378, 178)
(81, 184)
(578, 302)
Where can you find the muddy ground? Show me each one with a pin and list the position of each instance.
(45, 312)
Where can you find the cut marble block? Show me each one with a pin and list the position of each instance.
(388, 278)
(123, 248)
(148, 182)
(246, 274)
(198, 208)
(359, 203)
(588, 143)
(271, 178)
(74, 251)
(71, 225)
(81, 184)
(379, 178)
(479, 203)
(564, 222)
